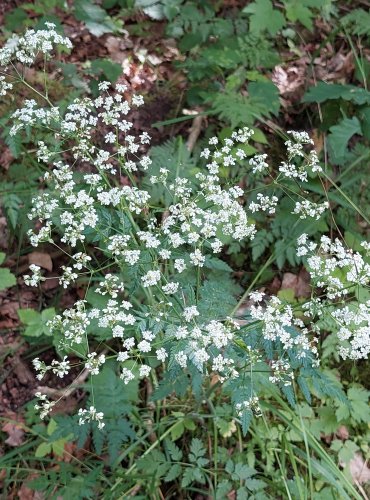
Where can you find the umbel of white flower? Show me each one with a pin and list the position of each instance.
(157, 258)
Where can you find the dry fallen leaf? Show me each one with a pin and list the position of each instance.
(25, 493)
(23, 373)
(41, 259)
(359, 469)
(15, 433)
(342, 433)
(299, 283)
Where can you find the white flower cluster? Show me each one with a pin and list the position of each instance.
(251, 404)
(299, 163)
(44, 406)
(280, 324)
(341, 273)
(91, 415)
(4, 86)
(264, 203)
(60, 368)
(307, 208)
(36, 277)
(25, 49)
(147, 306)
(333, 267)
(281, 372)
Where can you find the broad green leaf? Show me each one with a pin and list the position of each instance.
(58, 447)
(36, 322)
(347, 452)
(297, 10)
(287, 294)
(325, 91)
(7, 279)
(152, 8)
(360, 409)
(177, 430)
(52, 426)
(110, 69)
(42, 450)
(340, 135)
(264, 17)
(29, 316)
(96, 19)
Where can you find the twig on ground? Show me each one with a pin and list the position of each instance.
(194, 132)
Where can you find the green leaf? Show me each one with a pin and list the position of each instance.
(264, 17)
(58, 447)
(174, 451)
(287, 294)
(15, 144)
(7, 279)
(329, 423)
(152, 8)
(177, 430)
(246, 419)
(15, 20)
(29, 316)
(325, 91)
(36, 322)
(188, 477)
(173, 473)
(197, 449)
(237, 109)
(339, 137)
(296, 10)
(359, 22)
(42, 450)
(347, 451)
(111, 70)
(2, 257)
(52, 427)
(96, 19)
(242, 472)
(359, 400)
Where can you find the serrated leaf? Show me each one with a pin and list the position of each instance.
(58, 447)
(347, 452)
(262, 101)
(263, 17)
(242, 472)
(110, 69)
(296, 10)
(359, 21)
(359, 399)
(246, 419)
(173, 473)
(174, 451)
(188, 477)
(15, 144)
(196, 448)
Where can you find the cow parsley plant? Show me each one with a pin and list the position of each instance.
(159, 300)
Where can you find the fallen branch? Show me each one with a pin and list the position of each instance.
(194, 132)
